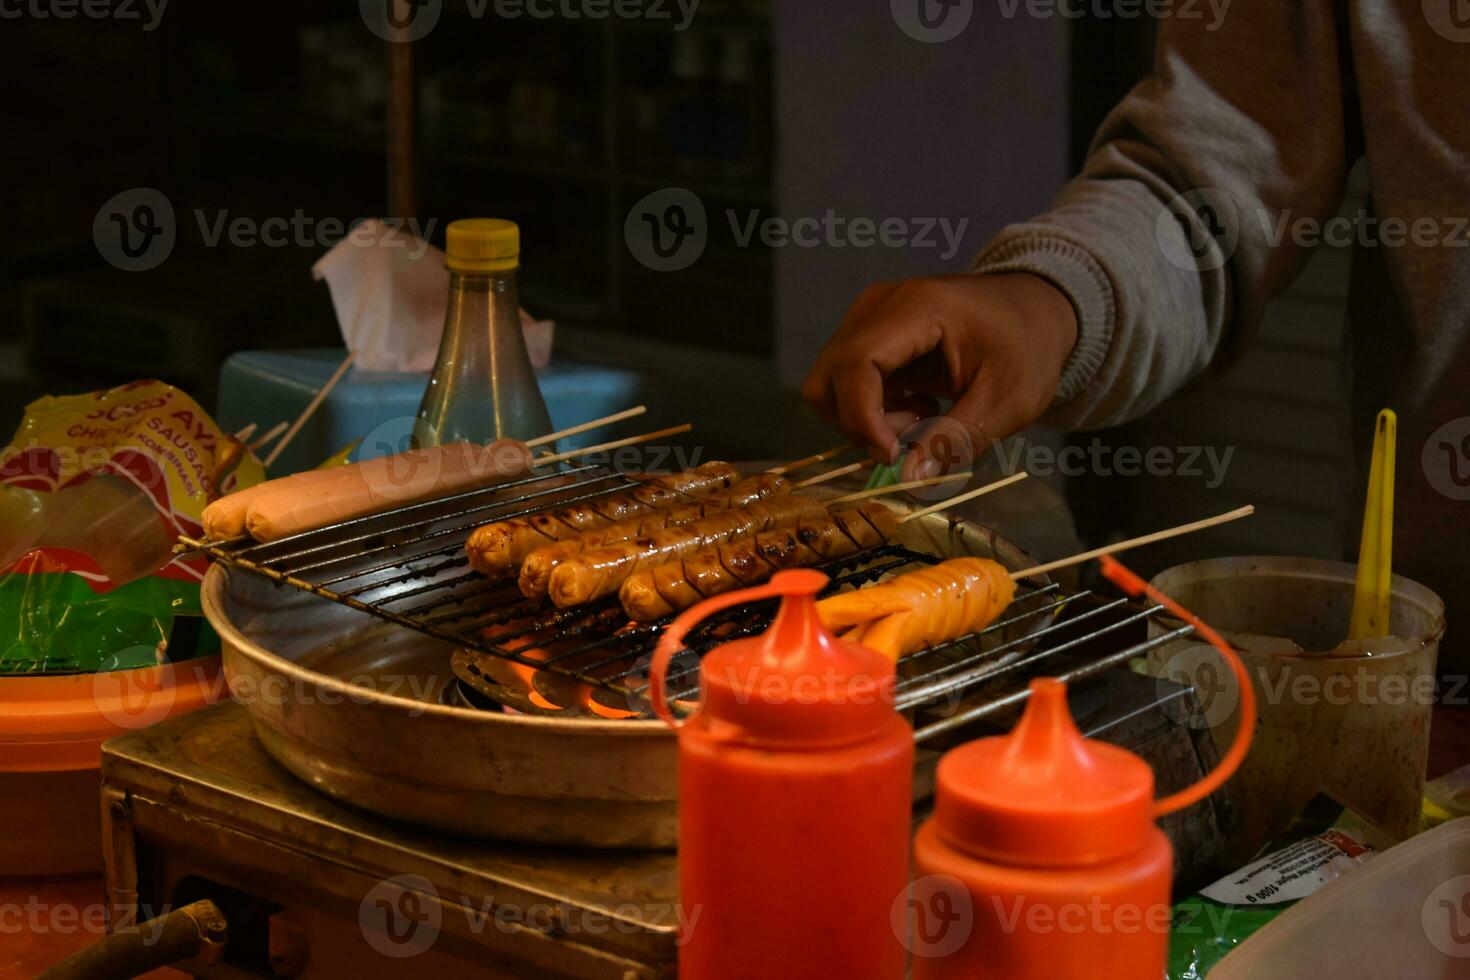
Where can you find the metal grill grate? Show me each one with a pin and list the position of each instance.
(408, 566)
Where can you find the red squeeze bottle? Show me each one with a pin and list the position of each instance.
(1042, 859)
(795, 777)
(1052, 836)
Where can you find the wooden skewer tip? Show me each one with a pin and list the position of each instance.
(832, 474)
(966, 496)
(270, 434)
(627, 413)
(806, 461)
(311, 407)
(1111, 549)
(615, 444)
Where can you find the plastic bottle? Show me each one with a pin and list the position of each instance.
(795, 780)
(1052, 837)
(1042, 859)
(482, 387)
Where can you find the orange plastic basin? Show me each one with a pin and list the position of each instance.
(51, 735)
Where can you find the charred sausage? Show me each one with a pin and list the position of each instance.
(932, 605)
(598, 572)
(498, 549)
(536, 569)
(652, 593)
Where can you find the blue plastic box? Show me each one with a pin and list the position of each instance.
(377, 408)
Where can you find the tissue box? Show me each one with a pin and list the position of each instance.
(266, 387)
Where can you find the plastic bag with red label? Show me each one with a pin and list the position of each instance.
(94, 491)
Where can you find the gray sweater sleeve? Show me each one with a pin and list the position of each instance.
(1169, 243)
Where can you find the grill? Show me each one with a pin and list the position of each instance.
(408, 566)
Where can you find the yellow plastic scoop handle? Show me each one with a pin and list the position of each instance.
(1375, 552)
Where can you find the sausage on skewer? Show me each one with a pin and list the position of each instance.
(918, 609)
(600, 572)
(498, 549)
(298, 502)
(536, 569)
(652, 593)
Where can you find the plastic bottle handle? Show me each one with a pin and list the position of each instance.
(672, 642)
(1129, 582)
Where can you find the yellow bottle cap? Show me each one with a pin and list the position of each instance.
(482, 245)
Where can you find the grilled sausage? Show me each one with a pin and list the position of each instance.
(536, 569)
(303, 501)
(932, 605)
(598, 572)
(652, 593)
(498, 549)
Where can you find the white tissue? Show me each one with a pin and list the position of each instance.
(390, 290)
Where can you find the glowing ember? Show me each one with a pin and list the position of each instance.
(522, 646)
(589, 705)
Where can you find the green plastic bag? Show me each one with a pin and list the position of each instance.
(94, 491)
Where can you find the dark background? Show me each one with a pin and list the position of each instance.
(780, 107)
(263, 112)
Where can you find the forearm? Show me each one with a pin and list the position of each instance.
(1159, 296)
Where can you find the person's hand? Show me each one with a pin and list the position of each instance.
(993, 344)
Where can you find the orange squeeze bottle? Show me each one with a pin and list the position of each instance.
(1052, 838)
(1042, 859)
(795, 782)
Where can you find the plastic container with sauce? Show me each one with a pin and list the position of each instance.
(795, 779)
(1049, 838)
(1350, 718)
(1042, 858)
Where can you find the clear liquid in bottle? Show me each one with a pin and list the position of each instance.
(482, 387)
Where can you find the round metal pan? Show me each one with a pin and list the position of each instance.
(352, 705)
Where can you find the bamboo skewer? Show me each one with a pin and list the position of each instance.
(550, 458)
(1172, 532)
(806, 461)
(932, 481)
(962, 498)
(311, 407)
(832, 474)
(247, 432)
(586, 426)
(270, 434)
